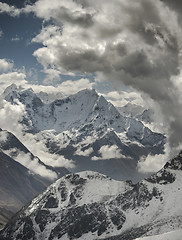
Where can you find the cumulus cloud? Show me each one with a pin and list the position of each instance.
(108, 152)
(153, 163)
(84, 153)
(9, 78)
(11, 116)
(70, 87)
(11, 10)
(5, 65)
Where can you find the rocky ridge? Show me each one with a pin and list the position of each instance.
(74, 208)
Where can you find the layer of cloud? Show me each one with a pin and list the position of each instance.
(84, 153)
(121, 98)
(32, 164)
(36, 144)
(108, 152)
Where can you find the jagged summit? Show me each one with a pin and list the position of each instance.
(84, 127)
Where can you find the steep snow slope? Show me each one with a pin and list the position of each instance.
(83, 127)
(92, 206)
(174, 235)
(138, 112)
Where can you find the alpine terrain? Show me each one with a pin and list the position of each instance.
(90, 205)
(87, 130)
(18, 184)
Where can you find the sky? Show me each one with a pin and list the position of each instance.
(129, 51)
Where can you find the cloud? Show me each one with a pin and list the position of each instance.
(84, 153)
(37, 146)
(11, 116)
(108, 152)
(70, 87)
(7, 79)
(32, 164)
(121, 98)
(135, 44)
(11, 10)
(153, 163)
(11, 120)
(3, 136)
(5, 65)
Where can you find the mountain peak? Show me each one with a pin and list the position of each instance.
(175, 163)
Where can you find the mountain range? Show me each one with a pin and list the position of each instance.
(89, 205)
(87, 130)
(83, 129)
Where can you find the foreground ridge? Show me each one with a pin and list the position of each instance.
(89, 205)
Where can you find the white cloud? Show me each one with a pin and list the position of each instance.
(108, 152)
(11, 10)
(153, 163)
(36, 145)
(52, 75)
(7, 79)
(3, 136)
(70, 87)
(32, 164)
(11, 115)
(5, 65)
(121, 98)
(85, 153)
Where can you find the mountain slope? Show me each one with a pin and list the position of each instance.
(174, 235)
(79, 126)
(14, 148)
(92, 206)
(19, 185)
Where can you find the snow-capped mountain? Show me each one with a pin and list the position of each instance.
(88, 130)
(138, 112)
(92, 206)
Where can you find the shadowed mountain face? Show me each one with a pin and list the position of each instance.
(88, 130)
(91, 206)
(18, 185)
